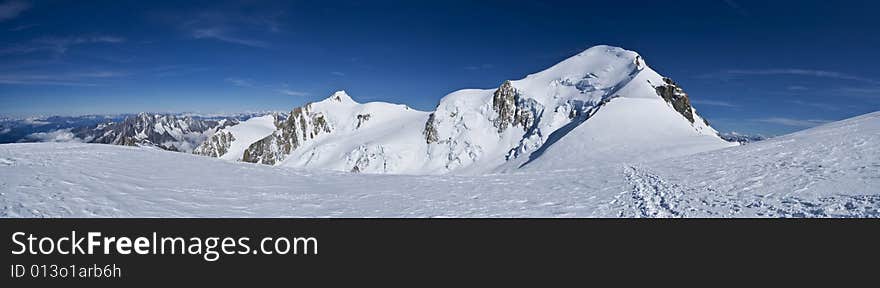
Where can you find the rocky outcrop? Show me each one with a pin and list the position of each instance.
(362, 118)
(504, 104)
(510, 109)
(430, 132)
(674, 95)
(220, 142)
(216, 146)
(300, 126)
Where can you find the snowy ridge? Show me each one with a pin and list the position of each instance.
(564, 117)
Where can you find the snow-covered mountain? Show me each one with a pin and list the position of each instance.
(827, 171)
(167, 132)
(604, 104)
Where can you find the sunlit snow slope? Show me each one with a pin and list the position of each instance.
(828, 171)
(602, 105)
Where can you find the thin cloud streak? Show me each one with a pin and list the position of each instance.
(479, 67)
(292, 93)
(818, 105)
(22, 27)
(220, 34)
(67, 79)
(58, 45)
(736, 7)
(11, 9)
(240, 82)
(248, 83)
(871, 91)
(715, 103)
(803, 72)
(233, 28)
(793, 122)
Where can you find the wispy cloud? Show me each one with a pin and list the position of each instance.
(99, 74)
(174, 70)
(233, 27)
(803, 72)
(11, 9)
(337, 73)
(797, 88)
(736, 7)
(281, 89)
(22, 27)
(58, 45)
(479, 67)
(223, 35)
(715, 103)
(91, 78)
(871, 91)
(292, 93)
(823, 106)
(240, 82)
(793, 122)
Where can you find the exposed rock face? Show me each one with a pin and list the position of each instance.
(167, 132)
(220, 142)
(216, 146)
(511, 109)
(673, 94)
(430, 131)
(362, 118)
(302, 125)
(504, 104)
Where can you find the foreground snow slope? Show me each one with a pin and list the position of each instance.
(828, 171)
(832, 170)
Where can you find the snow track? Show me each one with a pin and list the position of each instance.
(648, 196)
(651, 196)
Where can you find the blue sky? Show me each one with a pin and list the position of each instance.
(768, 67)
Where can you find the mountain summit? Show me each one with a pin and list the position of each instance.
(604, 104)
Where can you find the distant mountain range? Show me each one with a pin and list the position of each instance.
(175, 132)
(742, 138)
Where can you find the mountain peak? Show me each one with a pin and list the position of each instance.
(340, 96)
(603, 49)
(609, 64)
